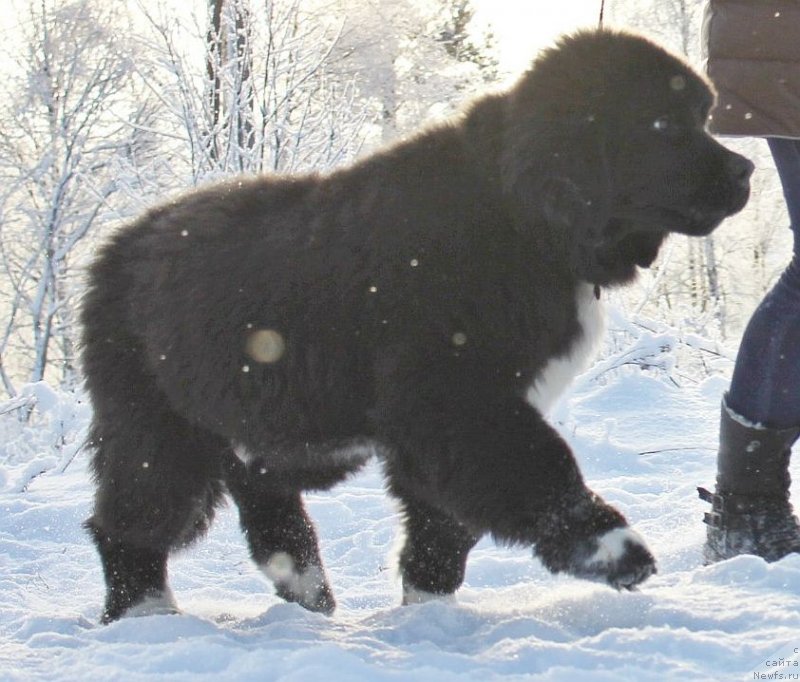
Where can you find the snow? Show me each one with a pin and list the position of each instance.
(643, 424)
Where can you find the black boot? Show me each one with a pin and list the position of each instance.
(751, 512)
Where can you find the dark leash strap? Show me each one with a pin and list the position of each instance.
(602, 12)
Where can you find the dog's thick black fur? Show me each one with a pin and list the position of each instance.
(263, 336)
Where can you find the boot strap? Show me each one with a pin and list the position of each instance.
(725, 508)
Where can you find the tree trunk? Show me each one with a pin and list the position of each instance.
(213, 65)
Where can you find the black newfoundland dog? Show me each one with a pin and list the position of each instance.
(266, 336)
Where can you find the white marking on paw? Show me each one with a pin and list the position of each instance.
(560, 370)
(611, 546)
(244, 455)
(413, 595)
(154, 605)
(304, 584)
(279, 568)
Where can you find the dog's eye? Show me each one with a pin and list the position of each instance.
(665, 124)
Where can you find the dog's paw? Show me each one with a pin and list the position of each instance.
(414, 595)
(151, 603)
(307, 587)
(618, 557)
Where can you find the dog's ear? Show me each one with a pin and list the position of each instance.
(564, 203)
(563, 179)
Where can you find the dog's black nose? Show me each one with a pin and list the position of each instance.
(740, 168)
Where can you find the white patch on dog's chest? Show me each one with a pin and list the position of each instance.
(560, 370)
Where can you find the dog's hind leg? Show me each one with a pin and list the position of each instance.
(158, 483)
(280, 534)
(433, 558)
(158, 475)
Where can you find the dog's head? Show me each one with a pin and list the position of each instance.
(606, 148)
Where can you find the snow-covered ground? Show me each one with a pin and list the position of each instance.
(645, 439)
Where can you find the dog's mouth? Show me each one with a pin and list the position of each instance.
(613, 257)
(693, 221)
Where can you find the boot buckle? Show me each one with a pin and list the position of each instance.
(716, 501)
(734, 503)
(714, 517)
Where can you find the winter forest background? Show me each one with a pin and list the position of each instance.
(107, 108)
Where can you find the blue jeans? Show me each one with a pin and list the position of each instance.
(765, 387)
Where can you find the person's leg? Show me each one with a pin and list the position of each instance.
(765, 387)
(786, 154)
(761, 413)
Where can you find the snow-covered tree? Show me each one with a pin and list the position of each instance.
(69, 123)
(250, 87)
(229, 67)
(412, 60)
(463, 42)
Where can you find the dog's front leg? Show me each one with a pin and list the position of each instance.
(492, 463)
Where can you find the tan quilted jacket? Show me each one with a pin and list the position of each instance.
(752, 48)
